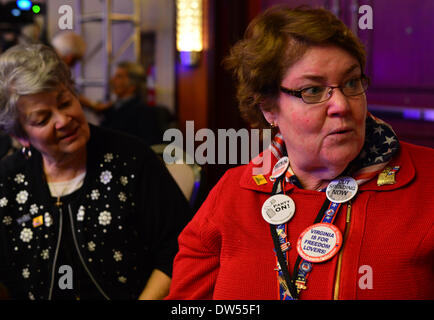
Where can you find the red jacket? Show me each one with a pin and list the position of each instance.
(226, 252)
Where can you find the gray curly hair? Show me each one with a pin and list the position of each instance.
(24, 70)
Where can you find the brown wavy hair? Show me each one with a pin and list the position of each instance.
(273, 42)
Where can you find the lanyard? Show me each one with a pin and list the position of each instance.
(279, 234)
(303, 267)
(314, 240)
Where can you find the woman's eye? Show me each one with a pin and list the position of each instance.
(65, 104)
(314, 91)
(352, 83)
(41, 122)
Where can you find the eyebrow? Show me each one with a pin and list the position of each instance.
(35, 115)
(318, 78)
(351, 69)
(61, 95)
(37, 112)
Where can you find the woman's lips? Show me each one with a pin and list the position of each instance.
(341, 131)
(341, 135)
(69, 135)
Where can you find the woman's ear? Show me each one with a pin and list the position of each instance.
(23, 141)
(269, 115)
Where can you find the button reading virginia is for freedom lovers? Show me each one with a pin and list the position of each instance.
(319, 242)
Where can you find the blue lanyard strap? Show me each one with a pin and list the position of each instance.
(289, 288)
(282, 273)
(281, 246)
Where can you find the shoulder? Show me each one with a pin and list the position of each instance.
(125, 155)
(231, 178)
(107, 140)
(420, 155)
(236, 172)
(13, 182)
(130, 108)
(413, 148)
(228, 186)
(11, 165)
(417, 162)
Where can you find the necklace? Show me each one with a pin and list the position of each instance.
(60, 189)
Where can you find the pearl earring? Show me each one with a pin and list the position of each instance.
(26, 152)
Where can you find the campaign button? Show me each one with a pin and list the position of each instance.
(278, 209)
(38, 221)
(279, 168)
(319, 242)
(306, 266)
(342, 189)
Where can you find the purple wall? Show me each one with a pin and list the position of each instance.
(400, 60)
(400, 47)
(401, 53)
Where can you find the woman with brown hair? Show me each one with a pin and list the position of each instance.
(344, 211)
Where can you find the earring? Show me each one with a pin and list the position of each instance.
(273, 125)
(27, 153)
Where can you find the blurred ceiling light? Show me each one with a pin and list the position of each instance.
(16, 12)
(189, 16)
(24, 4)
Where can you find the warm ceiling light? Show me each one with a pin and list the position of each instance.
(189, 42)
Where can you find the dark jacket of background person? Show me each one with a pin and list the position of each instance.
(136, 118)
(119, 232)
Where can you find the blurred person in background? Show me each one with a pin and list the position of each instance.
(129, 113)
(70, 46)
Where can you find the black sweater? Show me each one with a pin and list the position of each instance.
(119, 226)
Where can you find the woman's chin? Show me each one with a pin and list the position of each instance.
(340, 157)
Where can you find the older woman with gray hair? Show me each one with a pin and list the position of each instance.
(81, 208)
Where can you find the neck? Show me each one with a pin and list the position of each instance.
(66, 167)
(316, 178)
(126, 96)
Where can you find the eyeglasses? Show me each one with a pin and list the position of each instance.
(318, 94)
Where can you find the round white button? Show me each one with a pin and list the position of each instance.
(279, 168)
(278, 209)
(342, 189)
(319, 242)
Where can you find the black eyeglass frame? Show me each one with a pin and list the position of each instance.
(298, 93)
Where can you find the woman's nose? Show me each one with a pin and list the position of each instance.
(62, 120)
(338, 105)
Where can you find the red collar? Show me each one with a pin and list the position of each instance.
(404, 176)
